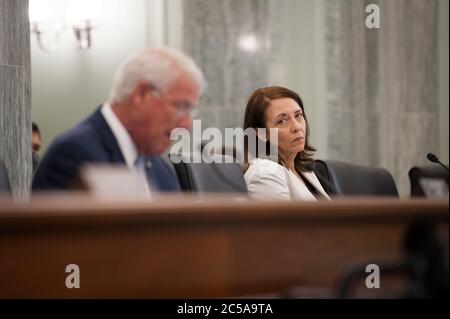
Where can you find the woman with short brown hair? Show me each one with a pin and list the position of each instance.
(291, 177)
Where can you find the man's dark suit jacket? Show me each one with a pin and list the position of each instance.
(91, 141)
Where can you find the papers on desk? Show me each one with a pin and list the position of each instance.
(114, 181)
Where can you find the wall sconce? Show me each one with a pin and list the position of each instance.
(83, 34)
(40, 13)
(80, 15)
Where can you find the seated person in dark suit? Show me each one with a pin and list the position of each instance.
(153, 92)
(35, 145)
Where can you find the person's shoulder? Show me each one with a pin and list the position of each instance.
(83, 135)
(67, 153)
(265, 170)
(266, 179)
(264, 166)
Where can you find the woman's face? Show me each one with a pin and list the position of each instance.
(287, 116)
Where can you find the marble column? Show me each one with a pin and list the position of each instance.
(382, 84)
(235, 44)
(15, 95)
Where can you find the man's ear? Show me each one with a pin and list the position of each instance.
(140, 91)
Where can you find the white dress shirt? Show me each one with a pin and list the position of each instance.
(126, 144)
(267, 179)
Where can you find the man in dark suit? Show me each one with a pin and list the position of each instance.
(153, 92)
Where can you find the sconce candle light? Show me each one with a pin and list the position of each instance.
(83, 34)
(80, 15)
(40, 12)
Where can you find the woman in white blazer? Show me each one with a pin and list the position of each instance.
(290, 177)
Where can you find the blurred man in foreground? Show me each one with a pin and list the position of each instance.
(153, 92)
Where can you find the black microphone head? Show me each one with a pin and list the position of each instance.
(432, 158)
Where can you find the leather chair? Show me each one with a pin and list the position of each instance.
(417, 173)
(216, 177)
(5, 187)
(341, 178)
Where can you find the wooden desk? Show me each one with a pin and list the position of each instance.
(189, 247)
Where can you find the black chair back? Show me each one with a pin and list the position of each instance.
(341, 178)
(217, 176)
(417, 173)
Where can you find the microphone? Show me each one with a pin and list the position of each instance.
(433, 158)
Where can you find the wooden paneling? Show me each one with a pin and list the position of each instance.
(181, 247)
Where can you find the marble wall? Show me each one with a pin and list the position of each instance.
(382, 84)
(235, 43)
(15, 95)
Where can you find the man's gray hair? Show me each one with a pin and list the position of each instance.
(158, 66)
